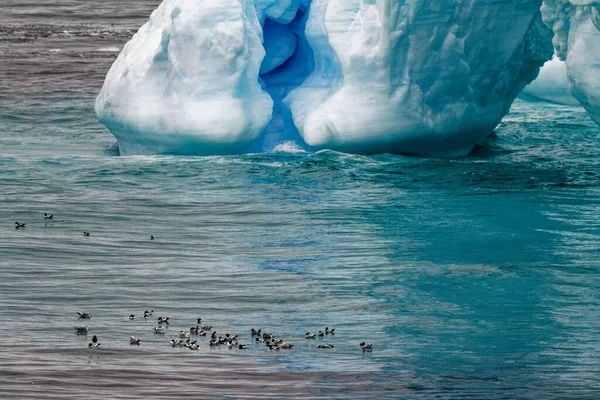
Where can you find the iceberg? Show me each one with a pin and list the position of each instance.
(188, 81)
(363, 76)
(576, 27)
(551, 85)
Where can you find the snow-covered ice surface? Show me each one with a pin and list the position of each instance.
(576, 26)
(551, 85)
(362, 76)
(187, 82)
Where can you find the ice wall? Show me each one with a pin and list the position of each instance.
(426, 77)
(430, 77)
(188, 81)
(576, 26)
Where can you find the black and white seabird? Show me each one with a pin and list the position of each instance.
(366, 346)
(84, 315)
(159, 329)
(310, 335)
(132, 317)
(48, 216)
(133, 340)
(81, 329)
(19, 225)
(329, 331)
(94, 339)
(86, 234)
(325, 346)
(163, 320)
(148, 313)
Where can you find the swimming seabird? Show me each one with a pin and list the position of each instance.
(86, 234)
(94, 339)
(206, 328)
(81, 329)
(132, 317)
(198, 321)
(151, 237)
(286, 346)
(19, 225)
(214, 335)
(134, 340)
(255, 332)
(243, 346)
(328, 331)
(325, 346)
(366, 346)
(93, 345)
(163, 320)
(159, 329)
(48, 216)
(310, 335)
(184, 334)
(148, 313)
(84, 315)
(321, 333)
(195, 330)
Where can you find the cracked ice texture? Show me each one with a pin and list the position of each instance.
(426, 77)
(576, 26)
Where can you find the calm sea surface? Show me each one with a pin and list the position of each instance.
(474, 278)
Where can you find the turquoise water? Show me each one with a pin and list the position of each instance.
(473, 278)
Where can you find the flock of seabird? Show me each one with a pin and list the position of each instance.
(184, 338)
(47, 216)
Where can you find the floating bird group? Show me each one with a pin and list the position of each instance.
(227, 340)
(51, 217)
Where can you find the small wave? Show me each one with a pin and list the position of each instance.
(109, 50)
(288, 147)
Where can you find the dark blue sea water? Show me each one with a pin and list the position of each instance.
(473, 278)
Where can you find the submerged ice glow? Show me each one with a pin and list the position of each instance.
(222, 77)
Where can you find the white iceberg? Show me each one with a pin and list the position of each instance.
(551, 85)
(576, 26)
(428, 77)
(187, 82)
